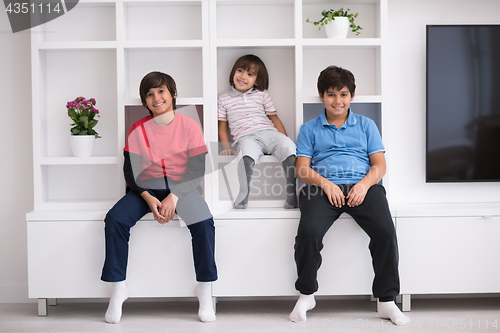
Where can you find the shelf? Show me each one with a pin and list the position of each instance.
(347, 42)
(156, 45)
(91, 45)
(238, 43)
(96, 160)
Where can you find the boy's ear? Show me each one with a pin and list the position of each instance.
(320, 96)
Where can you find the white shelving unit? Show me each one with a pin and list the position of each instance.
(197, 42)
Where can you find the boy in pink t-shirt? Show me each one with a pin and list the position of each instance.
(164, 165)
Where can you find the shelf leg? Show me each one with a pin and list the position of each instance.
(42, 307)
(214, 302)
(52, 301)
(398, 299)
(406, 302)
(372, 299)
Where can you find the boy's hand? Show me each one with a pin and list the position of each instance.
(228, 151)
(357, 195)
(334, 194)
(167, 208)
(155, 206)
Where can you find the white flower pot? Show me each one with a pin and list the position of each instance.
(82, 145)
(337, 28)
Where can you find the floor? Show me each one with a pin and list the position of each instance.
(254, 316)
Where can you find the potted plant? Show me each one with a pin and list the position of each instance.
(337, 23)
(84, 116)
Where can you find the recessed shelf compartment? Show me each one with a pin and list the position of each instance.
(88, 73)
(88, 21)
(184, 65)
(255, 19)
(280, 62)
(163, 21)
(368, 17)
(73, 183)
(362, 62)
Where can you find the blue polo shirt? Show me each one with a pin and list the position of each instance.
(340, 154)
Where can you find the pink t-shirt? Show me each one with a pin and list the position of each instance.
(165, 149)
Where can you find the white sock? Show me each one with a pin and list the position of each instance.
(119, 293)
(204, 293)
(304, 304)
(389, 310)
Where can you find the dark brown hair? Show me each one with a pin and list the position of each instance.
(252, 62)
(336, 77)
(156, 80)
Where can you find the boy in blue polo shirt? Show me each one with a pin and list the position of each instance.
(340, 158)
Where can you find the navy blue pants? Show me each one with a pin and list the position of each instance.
(373, 216)
(192, 208)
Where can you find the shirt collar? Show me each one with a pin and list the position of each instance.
(234, 93)
(351, 120)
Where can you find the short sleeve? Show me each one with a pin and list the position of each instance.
(197, 144)
(132, 145)
(305, 142)
(268, 104)
(221, 110)
(374, 140)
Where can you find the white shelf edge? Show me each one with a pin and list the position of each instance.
(281, 42)
(347, 42)
(161, 44)
(70, 160)
(73, 45)
(357, 99)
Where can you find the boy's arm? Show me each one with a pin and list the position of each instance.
(277, 123)
(224, 139)
(377, 171)
(309, 176)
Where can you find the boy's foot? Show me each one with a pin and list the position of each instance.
(119, 294)
(389, 310)
(304, 304)
(291, 202)
(241, 201)
(206, 310)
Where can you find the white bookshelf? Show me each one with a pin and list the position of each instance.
(197, 42)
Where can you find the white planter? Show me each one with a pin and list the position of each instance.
(337, 28)
(82, 145)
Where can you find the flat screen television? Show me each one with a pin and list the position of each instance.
(463, 103)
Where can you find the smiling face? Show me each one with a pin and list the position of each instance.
(159, 100)
(244, 79)
(337, 103)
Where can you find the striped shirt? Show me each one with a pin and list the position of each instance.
(246, 112)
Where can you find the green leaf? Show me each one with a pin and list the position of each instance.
(85, 121)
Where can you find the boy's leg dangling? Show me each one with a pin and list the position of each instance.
(245, 171)
(291, 182)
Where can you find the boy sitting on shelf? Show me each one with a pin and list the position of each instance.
(340, 158)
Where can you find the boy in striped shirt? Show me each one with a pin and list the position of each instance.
(249, 111)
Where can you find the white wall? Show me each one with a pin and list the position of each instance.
(405, 99)
(405, 140)
(16, 169)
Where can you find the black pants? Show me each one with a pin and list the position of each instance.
(373, 216)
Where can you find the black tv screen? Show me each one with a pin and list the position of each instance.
(463, 103)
